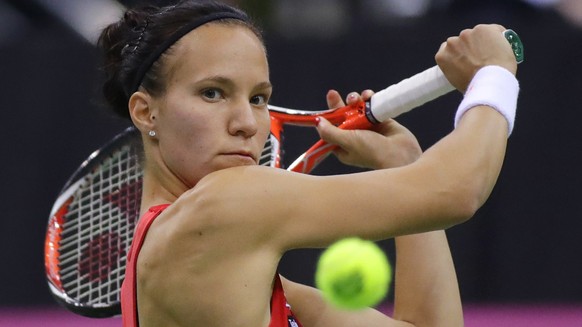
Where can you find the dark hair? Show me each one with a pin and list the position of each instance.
(135, 46)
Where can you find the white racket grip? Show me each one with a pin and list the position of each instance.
(409, 93)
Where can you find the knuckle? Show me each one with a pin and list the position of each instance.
(466, 33)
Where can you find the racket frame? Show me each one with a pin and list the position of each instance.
(57, 220)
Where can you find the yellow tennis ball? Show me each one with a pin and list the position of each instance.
(353, 274)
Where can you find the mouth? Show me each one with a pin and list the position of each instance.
(244, 156)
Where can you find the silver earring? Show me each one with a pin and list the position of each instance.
(152, 133)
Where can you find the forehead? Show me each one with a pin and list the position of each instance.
(218, 46)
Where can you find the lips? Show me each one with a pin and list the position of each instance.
(242, 154)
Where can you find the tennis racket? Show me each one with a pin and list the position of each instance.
(92, 222)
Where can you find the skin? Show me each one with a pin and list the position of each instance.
(209, 259)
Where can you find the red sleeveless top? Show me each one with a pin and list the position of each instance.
(281, 315)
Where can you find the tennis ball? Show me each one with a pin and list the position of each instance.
(353, 274)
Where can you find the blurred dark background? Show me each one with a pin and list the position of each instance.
(523, 246)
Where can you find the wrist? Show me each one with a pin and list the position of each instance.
(495, 87)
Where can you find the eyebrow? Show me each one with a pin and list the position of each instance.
(229, 82)
(264, 85)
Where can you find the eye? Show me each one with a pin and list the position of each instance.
(212, 94)
(259, 100)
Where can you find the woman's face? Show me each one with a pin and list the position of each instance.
(214, 112)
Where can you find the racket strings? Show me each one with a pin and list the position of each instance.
(99, 228)
(271, 152)
(267, 154)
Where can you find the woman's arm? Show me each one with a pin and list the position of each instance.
(426, 287)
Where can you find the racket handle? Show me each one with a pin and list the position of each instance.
(408, 94)
(422, 87)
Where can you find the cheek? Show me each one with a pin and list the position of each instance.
(264, 122)
(264, 119)
(192, 134)
(187, 122)
(187, 152)
(184, 138)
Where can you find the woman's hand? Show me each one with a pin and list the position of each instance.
(460, 57)
(389, 145)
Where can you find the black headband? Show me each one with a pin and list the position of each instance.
(149, 61)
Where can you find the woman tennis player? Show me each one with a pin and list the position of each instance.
(194, 79)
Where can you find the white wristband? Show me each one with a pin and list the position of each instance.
(495, 87)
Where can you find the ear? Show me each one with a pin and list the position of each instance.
(142, 112)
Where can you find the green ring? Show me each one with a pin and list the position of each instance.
(516, 44)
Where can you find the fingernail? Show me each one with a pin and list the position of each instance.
(317, 121)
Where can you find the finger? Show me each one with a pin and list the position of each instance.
(389, 127)
(367, 95)
(342, 155)
(334, 99)
(330, 133)
(443, 46)
(353, 98)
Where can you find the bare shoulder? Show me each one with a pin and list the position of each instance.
(240, 194)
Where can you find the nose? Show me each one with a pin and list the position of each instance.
(243, 120)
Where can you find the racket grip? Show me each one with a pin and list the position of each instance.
(409, 94)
